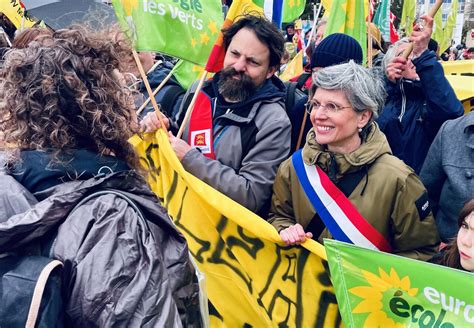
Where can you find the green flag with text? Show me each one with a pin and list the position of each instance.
(375, 289)
(185, 29)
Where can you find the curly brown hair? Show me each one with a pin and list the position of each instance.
(64, 92)
(24, 38)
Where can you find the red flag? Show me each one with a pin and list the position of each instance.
(238, 8)
(394, 37)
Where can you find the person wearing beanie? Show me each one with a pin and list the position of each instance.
(334, 49)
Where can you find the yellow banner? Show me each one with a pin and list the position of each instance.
(463, 86)
(458, 66)
(252, 279)
(13, 10)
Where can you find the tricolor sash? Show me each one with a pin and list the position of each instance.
(200, 126)
(341, 218)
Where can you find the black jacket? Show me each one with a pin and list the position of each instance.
(120, 270)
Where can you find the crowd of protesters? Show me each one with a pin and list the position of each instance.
(67, 110)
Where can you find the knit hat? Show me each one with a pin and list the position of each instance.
(336, 49)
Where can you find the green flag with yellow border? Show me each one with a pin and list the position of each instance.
(375, 289)
(183, 29)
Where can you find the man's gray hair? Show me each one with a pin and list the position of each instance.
(362, 88)
(392, 53)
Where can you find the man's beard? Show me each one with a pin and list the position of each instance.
(235, 90)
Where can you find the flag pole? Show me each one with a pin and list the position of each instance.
(158, 88)
(148, 88)
(316, 19)
(300, 135)
(369, 46)
(191, 105)
(369, 41)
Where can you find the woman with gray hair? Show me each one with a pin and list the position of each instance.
(385, 205)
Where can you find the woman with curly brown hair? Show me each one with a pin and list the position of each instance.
(66, 118)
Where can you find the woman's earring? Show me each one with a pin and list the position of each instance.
(360, 130)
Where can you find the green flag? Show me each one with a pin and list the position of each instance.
(185, 29)
(449, 26)
(375, 289)
(382, 19)
(186, 73)
(408, 16)
(292, 10)
(348, 17)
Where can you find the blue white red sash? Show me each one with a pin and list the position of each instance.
(200, 126)
(341, 218)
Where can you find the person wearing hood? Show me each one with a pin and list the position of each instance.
(73, 189)
(290, 32)
(347, 154)
(239, 132)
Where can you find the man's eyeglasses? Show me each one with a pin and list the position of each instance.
(329, 107)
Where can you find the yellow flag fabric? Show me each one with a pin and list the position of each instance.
(438, 31)
(13, 10)
(458, 66)
(252, 279)
(449, 26)
(294, 67)
(463, 86)
(408, 16)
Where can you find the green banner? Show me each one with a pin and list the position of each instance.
(186, 73)
(185, 29)
(375, 289)
(348, 17)
(292, 10)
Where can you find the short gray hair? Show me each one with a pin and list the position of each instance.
(392, 53)
(363, 89)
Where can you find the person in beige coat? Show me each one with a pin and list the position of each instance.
(345, 139)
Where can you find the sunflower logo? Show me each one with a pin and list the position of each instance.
(377, 296)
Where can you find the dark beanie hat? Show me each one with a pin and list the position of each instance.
(336, 49)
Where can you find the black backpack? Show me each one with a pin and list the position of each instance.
(295, 101)
(30, 284)
(30, 292)
(293, 95)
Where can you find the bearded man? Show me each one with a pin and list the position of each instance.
(239, 132)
